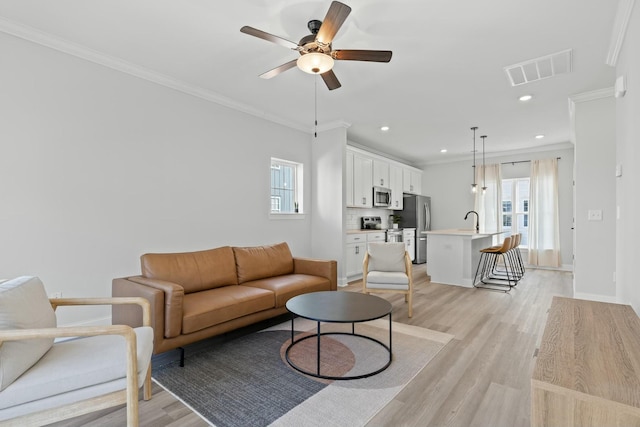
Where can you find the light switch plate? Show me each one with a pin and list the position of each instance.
(619, 170)
(594, 215)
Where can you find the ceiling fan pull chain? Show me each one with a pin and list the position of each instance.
(315, 97)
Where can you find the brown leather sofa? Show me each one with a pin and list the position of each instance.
(197, 295)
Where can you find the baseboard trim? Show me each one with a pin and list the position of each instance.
(596, 297)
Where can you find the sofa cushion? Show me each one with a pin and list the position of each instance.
(194, 271)
(23, 305)
(95, 360)
(215, 306)
(259, 262)
(386, 256)
(290, 285)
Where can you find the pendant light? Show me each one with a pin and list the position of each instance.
(484, 168)
(474, 186)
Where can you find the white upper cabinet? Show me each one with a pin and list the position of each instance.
(381, 173)
(366, 170)
(362, 181)
(412, 181)
(395, 181)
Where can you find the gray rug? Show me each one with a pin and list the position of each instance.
(246, 382)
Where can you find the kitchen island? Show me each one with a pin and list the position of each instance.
(453, 255)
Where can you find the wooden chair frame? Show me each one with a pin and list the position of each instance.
(128, 396)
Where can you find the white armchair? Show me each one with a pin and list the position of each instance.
(387, 268)
(42, 381)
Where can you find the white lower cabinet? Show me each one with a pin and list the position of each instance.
(356, 247)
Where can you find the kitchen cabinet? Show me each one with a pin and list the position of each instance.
(349, 188)
(362, 181)
(356, 247)
(412, 181)
(395, 183)
(381, 173)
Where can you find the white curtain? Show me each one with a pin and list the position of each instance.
(489, 205)
(544, 228)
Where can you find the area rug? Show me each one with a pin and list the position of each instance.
(247, 382)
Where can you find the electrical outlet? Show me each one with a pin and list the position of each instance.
(57, 294)
(594, 215)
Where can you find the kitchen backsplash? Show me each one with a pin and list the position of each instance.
(353, 217)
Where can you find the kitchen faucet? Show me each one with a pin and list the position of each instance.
(477, 220)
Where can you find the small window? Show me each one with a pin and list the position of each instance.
(286, 186)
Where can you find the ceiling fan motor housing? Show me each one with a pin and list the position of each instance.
(314, 26)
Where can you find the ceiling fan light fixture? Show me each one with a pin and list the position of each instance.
(315, 63)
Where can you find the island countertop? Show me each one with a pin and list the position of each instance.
(463, 232)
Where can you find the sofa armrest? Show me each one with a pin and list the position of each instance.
(166, 304)
(317, 267)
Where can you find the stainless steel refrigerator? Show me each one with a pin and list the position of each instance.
(416, 213)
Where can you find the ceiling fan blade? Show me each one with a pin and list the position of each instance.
(362, 55)
(330, 80)
(334, 19)
(269, 37)
(284, 67)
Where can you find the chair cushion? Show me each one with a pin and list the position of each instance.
(387, 279)
(23, 305)
(260, 262)
(77, 365)
(386, 256)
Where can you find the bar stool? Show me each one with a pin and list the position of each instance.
(489, 258)
(515, 264)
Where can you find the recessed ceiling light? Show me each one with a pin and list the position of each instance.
(539, 136)
(384, 128)
(444, 150)
(525, 98)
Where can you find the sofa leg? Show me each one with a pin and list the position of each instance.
(181, 356)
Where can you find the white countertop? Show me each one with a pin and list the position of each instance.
(463, 232)
(381, 230)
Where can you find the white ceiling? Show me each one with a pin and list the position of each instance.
(446, 74)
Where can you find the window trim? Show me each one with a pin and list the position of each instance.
(514, 213)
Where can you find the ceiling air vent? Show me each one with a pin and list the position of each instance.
(539, 68)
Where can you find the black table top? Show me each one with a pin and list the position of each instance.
(339, 306)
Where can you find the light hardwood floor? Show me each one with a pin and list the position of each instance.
(481, 378)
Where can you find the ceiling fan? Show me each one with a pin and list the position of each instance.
(316, 54)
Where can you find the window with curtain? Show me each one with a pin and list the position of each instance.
(544, 228)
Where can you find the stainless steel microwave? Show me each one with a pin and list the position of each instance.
(381, 197)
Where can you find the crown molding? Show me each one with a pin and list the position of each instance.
(591, 95)
(332, 125)
(83, 52)
(505, 153)
(619, 30)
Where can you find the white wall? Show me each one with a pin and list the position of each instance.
(595, 245)
(98, 167)
(628, 155)
(449, 185)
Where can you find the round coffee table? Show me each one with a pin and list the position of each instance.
(337, 307)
